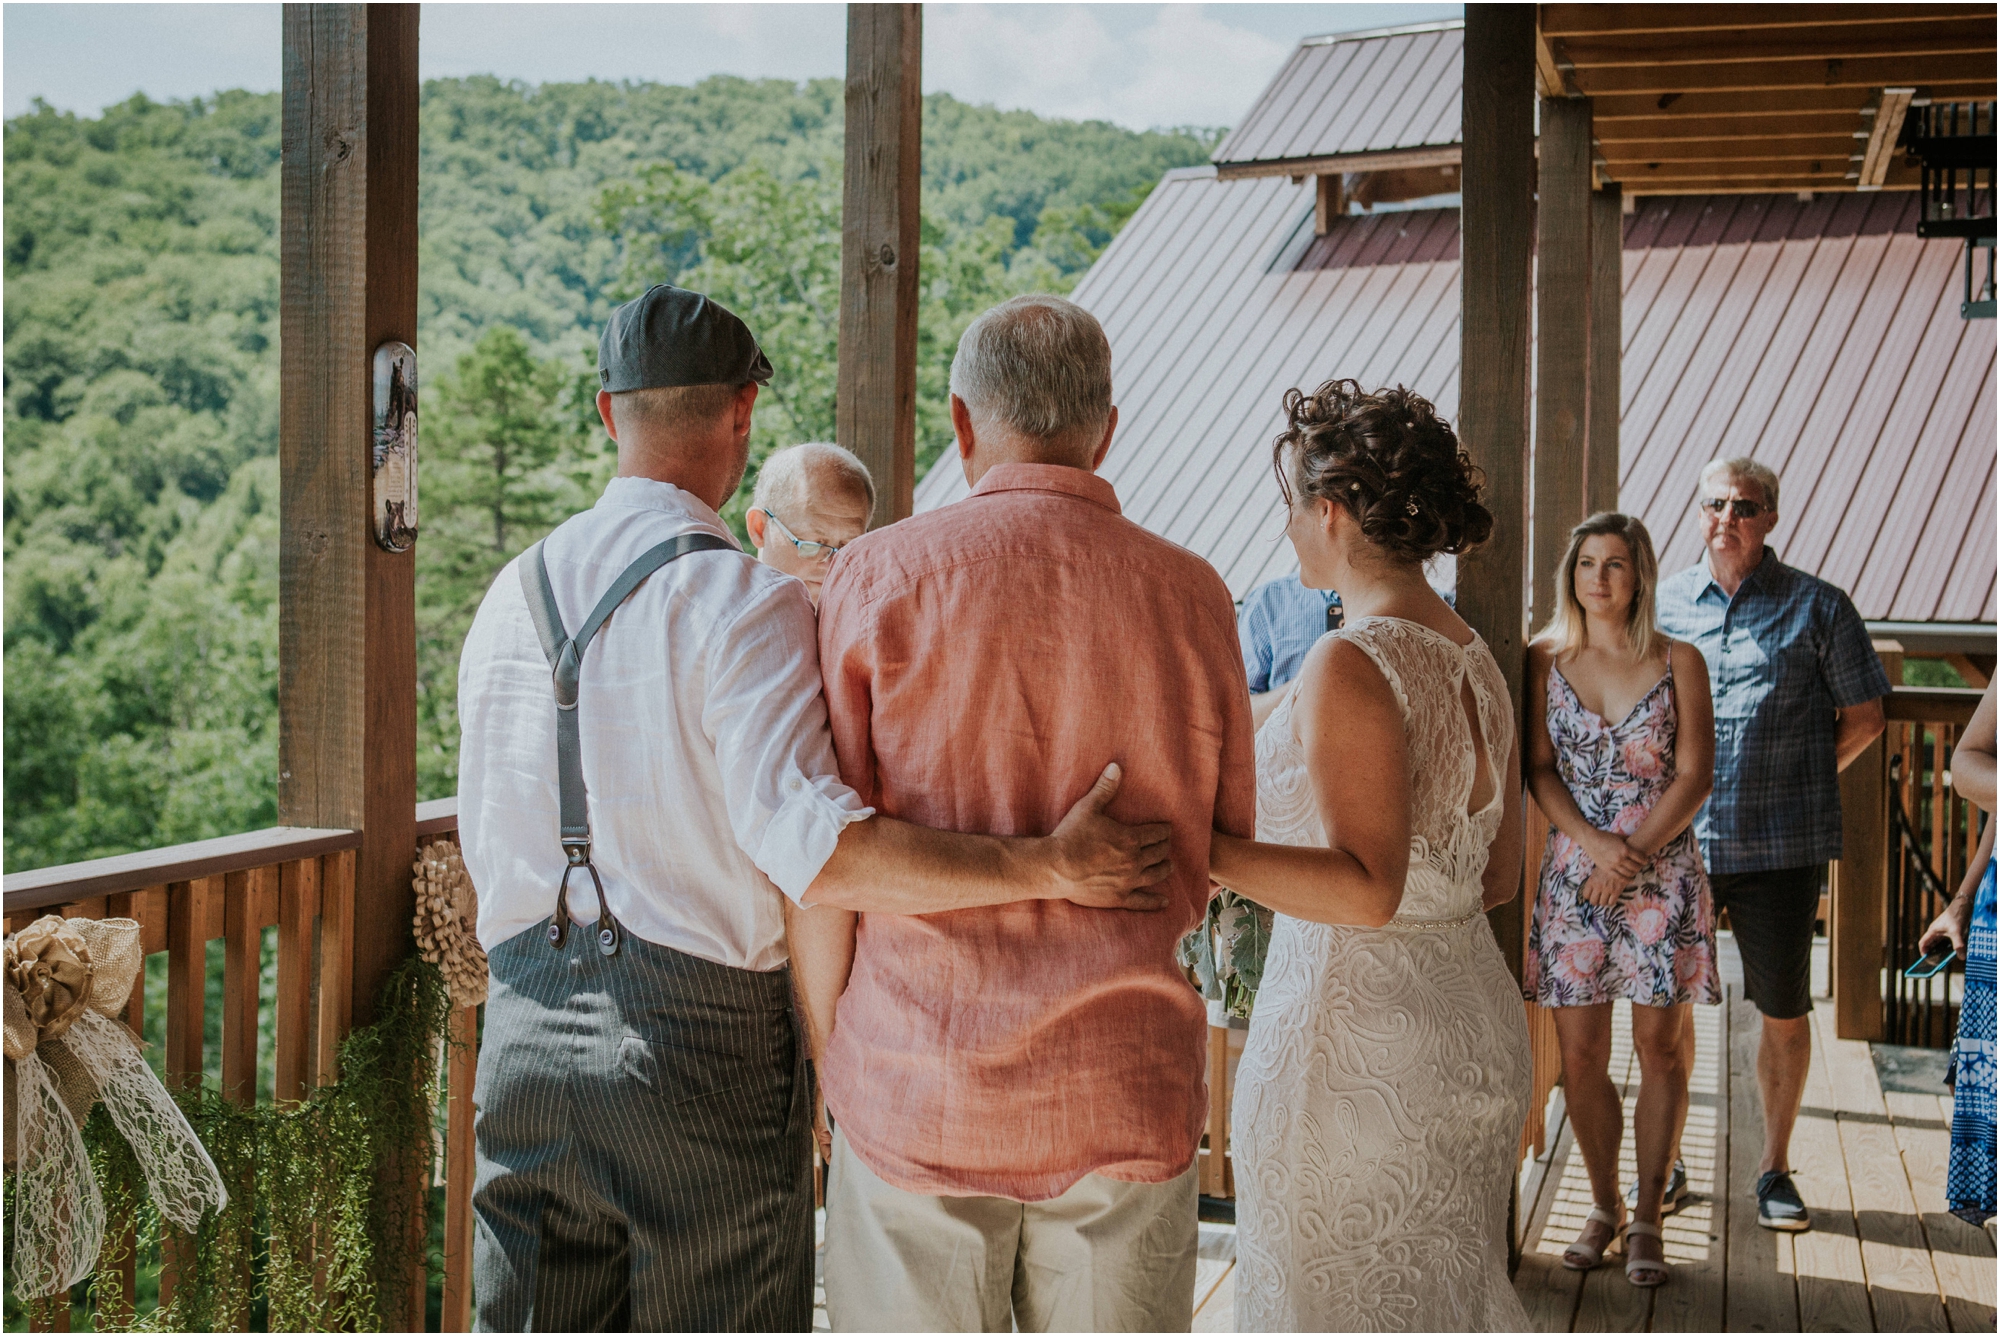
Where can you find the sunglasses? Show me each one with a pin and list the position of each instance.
(1736, 506)
(807, 549)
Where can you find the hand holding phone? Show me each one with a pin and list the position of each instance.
(1931, 964)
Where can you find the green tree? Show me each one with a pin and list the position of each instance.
(504, 460)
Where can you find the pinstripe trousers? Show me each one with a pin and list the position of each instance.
(644, 1144)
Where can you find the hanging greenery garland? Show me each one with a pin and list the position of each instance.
(306, 1187)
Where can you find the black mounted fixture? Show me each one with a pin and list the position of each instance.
(1954, 143)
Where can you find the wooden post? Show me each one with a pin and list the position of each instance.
(346, 608)
(1607, 347)
(876, 409)
(1857, 923)
(1562, 339)
(1329, 201)
(1497, 250)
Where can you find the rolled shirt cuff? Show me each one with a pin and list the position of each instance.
(802, 833)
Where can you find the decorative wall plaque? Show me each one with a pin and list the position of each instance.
(393, 456)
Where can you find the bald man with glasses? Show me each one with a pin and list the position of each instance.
(810, 501)
(1798, 695)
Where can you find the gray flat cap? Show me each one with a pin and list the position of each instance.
(670, 336)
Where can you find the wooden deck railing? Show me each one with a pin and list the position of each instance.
(302, 883)
(1880, 899)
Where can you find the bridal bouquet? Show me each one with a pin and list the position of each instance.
(1226, 953)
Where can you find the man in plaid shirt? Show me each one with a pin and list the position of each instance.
(1798, 695)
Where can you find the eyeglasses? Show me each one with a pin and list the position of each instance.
(1736, 506)
(808, 550)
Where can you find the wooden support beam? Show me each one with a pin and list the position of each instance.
(876, 408)
(1883, 129)
(1381, 160)
(1607, 348)
(1601, 19)
(1562, 340)
(1776, 75)
(346, 608)
(1496, 250)
(1329, 201)
(1858, 924)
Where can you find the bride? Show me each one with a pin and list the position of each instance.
(1382, 1093)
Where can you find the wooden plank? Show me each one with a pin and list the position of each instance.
(1218, 1311)
(1610, 19)
(336, 928)
(1609, 1302)
(877, 400)
(1693, 1299)
(149, 907)
(1547, 1288)
(1902, 1284)
(242, 940)
(1833, 1294)
(1857, 72)
(1607, 352)
(1496, 250)
(1562, 339)
(1762, 1292)
(187, 971)
(1931, 705)
(437, 817)
(1855, 951)
(1883, 129)
(152, 868)
(298, 906)
(1806, 43)
(459, 1169)
(1962, 1254)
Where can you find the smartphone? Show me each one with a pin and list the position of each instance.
(1931, 964)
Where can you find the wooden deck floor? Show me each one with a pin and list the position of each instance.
(1883, 1254)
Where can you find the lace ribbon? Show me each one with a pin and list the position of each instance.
(56, 1073)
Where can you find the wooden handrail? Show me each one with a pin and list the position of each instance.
(1932, 705)
(42, 887)
(439, 816)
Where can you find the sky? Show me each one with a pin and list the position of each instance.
(1138, 65)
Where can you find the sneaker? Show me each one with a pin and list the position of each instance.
(1671, 1200)
(1778, 1203)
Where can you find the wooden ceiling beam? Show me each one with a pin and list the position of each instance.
(1625, 20)
(1770, 185)
(1635, 175)
(1610, 109)
(1770, 76)
(1708, 150)
(1885, 127)
(1960, 37)
(1663, 129)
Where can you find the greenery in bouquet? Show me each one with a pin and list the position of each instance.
(1226, 953)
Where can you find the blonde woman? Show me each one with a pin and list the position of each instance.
(1620, 757)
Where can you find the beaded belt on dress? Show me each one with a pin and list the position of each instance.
(1401, 924)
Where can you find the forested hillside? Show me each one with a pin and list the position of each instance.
(141, 379)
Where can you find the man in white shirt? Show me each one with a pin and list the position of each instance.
(643, 1136)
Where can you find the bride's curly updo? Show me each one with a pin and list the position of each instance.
(1390, 460)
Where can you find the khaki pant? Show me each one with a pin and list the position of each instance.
(1104, 1256)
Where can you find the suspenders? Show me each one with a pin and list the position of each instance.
(565, 655)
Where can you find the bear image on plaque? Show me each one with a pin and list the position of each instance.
(393, 454)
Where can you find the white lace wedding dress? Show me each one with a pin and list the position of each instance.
(1382, 1092)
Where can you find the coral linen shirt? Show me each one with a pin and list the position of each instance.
(983, 663)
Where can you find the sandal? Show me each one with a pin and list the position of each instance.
(1580, 1256)
(1644, 1273)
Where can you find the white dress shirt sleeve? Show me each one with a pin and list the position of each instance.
(767, 718)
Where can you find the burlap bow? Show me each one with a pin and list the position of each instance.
(65, 981)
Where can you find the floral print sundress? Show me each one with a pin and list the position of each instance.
(1656, 946)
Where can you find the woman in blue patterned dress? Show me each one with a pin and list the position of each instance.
(1620, 757)
(1968, 924)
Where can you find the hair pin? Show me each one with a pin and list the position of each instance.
(1411, 506)
(1354, 487)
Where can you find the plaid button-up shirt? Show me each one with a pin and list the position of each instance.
(1783, 655)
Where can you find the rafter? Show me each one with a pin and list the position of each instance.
(1805, 43)
(1596, 20)
(1775, 75)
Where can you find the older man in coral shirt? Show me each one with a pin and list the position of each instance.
(1018, 1089)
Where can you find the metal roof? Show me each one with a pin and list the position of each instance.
(1368, 92)
(1822, 337)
